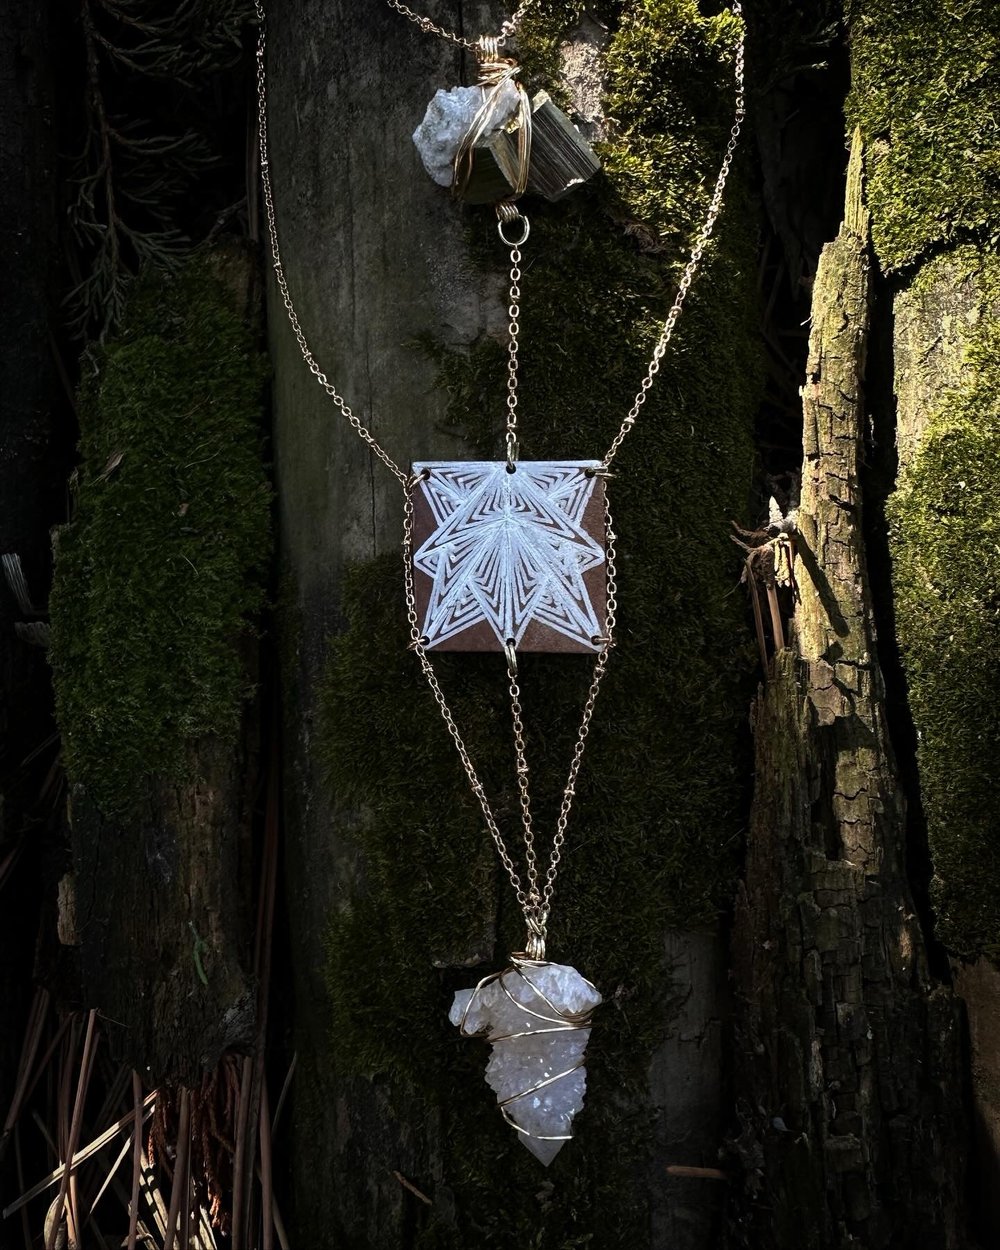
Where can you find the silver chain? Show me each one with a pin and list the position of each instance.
(279, 269)
(430, 28)
(508, 214)
(514, 312)
(534, 895)
(714, 208)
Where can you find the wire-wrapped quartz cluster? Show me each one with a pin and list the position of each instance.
(537, 1017)
(448, 119)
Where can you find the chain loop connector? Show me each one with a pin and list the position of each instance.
(511, 654)
(509, 219)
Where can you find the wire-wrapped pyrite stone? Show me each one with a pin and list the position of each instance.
(536, 1015)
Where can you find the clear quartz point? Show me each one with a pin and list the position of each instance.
(537, 1017)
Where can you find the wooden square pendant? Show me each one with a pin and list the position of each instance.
(502, 555)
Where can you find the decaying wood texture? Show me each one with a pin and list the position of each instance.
(934, 320)
(849, 1053)
(185, 856)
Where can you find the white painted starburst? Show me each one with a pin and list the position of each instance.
(508, 549)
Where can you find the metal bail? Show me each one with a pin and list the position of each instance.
(487, 48)
(534, 948)
(536, 917)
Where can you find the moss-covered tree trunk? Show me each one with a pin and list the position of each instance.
(926, 80)
(156, 576)
(397, 900)
(855, 1087)
(849, 1058)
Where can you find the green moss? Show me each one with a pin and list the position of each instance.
(656, 828)
(539, 36)
(946, 549)
(926, 77)
(161, 570)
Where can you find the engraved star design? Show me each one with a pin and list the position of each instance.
(509, 549)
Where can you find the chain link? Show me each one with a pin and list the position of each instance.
(431, 28)
(509, 215)
(687, 277)
(514, 329)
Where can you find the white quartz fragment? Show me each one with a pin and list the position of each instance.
(519, 1065)
(448, 119)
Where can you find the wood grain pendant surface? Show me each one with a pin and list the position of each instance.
(502, 555)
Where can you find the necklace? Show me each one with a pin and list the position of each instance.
(505, 556)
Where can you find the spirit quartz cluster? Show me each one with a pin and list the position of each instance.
(537, 1017)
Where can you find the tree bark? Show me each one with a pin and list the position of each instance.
(175, 995)
(162, 914)
(345, 178)
(849, 1076)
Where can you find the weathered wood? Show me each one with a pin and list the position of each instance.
(686, 1082)
(371, 272)
(162, 919)
(936, 319)
(978, 984)
(848, 1081)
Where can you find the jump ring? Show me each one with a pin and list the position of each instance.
(524, 233)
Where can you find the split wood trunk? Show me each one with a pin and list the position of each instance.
(849, 1053)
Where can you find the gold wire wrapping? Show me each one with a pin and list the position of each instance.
(495, 72)
(558, 1021)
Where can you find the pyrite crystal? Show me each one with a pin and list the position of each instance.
(536, 1015)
